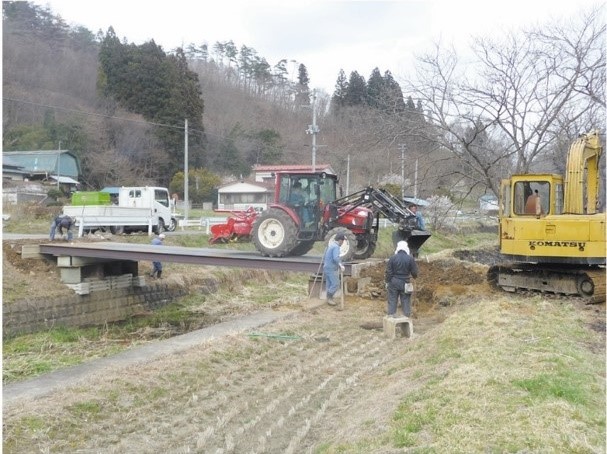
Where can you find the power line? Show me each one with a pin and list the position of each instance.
(93, 114)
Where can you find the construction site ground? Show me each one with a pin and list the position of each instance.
(308, 376)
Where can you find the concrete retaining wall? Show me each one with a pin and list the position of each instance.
(85, 310)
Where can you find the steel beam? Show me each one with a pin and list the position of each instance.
(194, 256)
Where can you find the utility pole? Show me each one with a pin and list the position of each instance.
(402, 147)
(58, 164)
(186, 198)
(415, 187)
(313, 129)
(348, 177)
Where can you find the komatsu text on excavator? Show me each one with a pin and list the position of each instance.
(552, 229)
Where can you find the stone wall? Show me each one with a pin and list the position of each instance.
(97, 308)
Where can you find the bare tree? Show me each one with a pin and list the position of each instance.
(505, 109)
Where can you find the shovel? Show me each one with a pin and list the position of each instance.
(341, 280)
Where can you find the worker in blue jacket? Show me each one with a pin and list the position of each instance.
(61, 222)
(331, 265)
(157, 271)
(420, 220)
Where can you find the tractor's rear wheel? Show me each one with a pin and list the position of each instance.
(348, 247)
(274, 233)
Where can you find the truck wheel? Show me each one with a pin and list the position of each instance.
(117, 229)
(348, 247)
(364, 249)
(172, 226)
(274, 233)
(302, 248)
(160, 227)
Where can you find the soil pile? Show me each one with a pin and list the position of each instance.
(440, 283)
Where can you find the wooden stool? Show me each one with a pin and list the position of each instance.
(398, 327)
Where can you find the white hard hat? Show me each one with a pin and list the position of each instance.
(162, 236)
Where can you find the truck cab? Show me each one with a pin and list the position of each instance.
(150, 197)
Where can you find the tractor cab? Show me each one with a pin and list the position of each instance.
(305, 195)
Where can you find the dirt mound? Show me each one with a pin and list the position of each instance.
(31, 278)
(441, 282)
(11, 254)
(490, 256)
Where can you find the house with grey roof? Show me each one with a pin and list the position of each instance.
(43, 165)
(26, 175)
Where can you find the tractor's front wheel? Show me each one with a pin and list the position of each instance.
(364, 249)
(274, 233)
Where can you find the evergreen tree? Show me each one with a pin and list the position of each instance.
(410, 104)
(229, 159)
(161, 88)
(338, 101)
(262, 73)
(266, 147)
(375, 89)
(246, 62)
(302, 90)
(356, 94)
(393, 101)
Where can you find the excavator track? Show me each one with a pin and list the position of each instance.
(583, 283)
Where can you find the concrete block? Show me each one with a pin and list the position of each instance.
(362, 284)
(357, 268)
(398, 327)
(139, 281)
(71, 275)
(31, 251)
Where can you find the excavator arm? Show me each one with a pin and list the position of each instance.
(582, 175)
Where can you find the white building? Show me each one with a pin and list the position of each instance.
(241, 195)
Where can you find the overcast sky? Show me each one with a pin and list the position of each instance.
(324, 35)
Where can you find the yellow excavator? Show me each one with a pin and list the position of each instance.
(552, 229)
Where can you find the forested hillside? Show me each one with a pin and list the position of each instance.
(122, 107)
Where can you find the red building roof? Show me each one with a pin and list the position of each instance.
(291, 168)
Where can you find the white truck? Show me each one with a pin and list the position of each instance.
(133, 208)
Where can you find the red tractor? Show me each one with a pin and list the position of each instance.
(306, 210)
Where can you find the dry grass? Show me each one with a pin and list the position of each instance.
(500, 375)
(505, 375)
